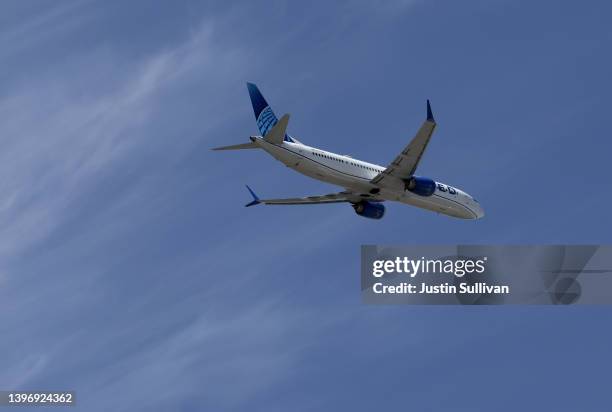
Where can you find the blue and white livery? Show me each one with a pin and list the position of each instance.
(366, 185)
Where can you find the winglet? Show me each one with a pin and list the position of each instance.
(255, 198)
(429, 113)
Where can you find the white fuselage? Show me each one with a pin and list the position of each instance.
(356, 175)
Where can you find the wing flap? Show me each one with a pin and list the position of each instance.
(310, 200)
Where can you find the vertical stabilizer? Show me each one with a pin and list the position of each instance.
(264, 116)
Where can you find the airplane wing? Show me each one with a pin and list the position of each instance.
(405, 164)
(309, 200)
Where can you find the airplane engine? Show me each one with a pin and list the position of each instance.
(369, 209)
(422, 186)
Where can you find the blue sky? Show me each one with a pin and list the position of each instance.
(131, 273)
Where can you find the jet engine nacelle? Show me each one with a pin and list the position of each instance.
(422, 186)
(369, 209)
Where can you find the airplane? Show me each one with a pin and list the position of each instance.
(366, 185)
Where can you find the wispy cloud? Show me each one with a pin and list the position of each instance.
(63, 134)
(57, 136)
(32, 29)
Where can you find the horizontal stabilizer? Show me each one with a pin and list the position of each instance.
(241, 146)
(276, 135)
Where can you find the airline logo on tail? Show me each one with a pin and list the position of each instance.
(266, 121)
(265, 117)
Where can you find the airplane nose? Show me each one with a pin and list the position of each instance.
(479, 212)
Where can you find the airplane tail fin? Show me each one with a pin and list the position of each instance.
(264, 116)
